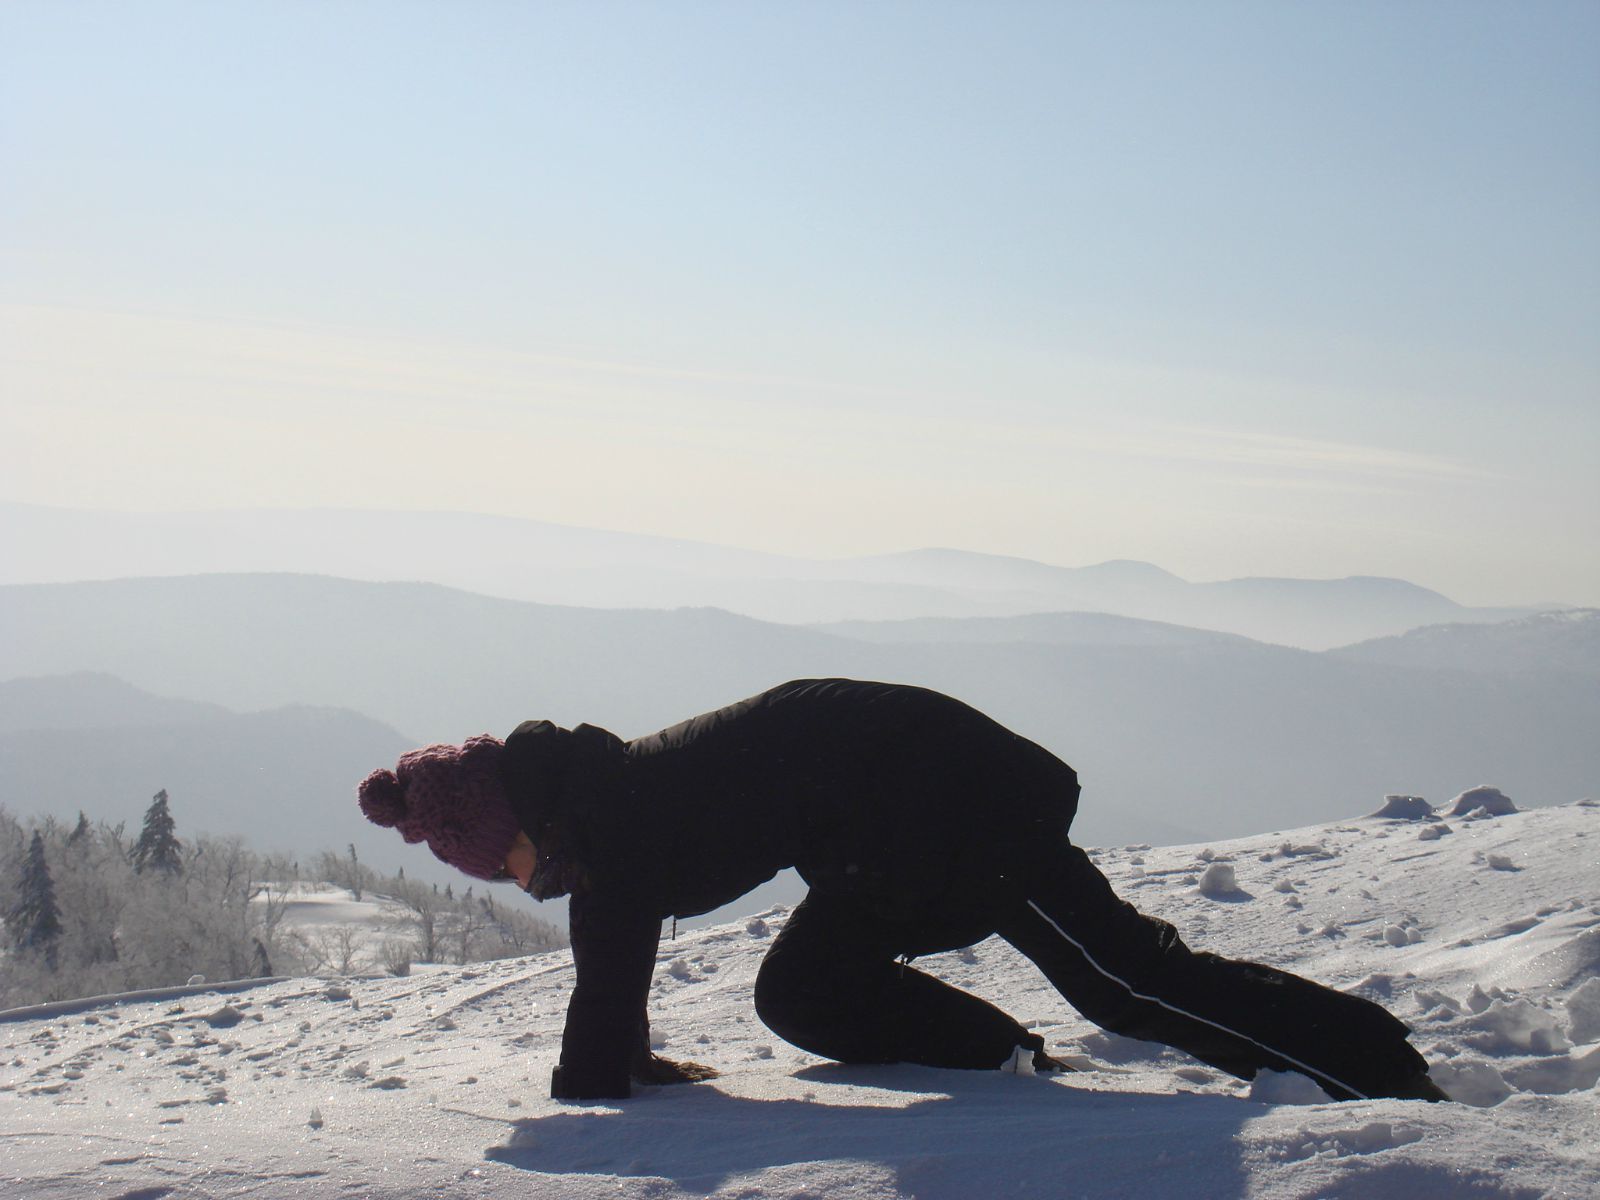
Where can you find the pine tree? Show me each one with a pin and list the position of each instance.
(79, 831)
(35, 920)
(157, 846)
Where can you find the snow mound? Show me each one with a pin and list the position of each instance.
(1515, 1026)
(1405, 808)
(1583, 1013)
(1219, 881)
(1371, 1138)
(1492, 801)
(1556, 1076)
(1471, 1082)
(1286, 1087)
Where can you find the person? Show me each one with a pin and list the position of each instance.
(920, 826)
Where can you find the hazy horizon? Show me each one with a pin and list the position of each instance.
(1238, 290)
(1495, 600)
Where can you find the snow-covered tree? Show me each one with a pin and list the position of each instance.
(330, 949)
(427, 909)
(343, 870)
(79, 831)
(471, 923)
(158, 847)
(520, 932)
(13, 847)
(220, 914)
(93, 884)
(34, 921)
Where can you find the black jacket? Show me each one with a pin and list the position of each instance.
(915, 806)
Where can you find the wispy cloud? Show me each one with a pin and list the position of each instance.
(1302, 456)
(300, 359)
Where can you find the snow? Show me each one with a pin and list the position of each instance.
(1491, 801)
(436, 1084)
(1219, 881)
(1405, 808)
(1583, 1012)
(1511, 1026)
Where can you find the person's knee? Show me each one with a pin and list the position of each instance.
(778, 1001)
(769, 996)
(802, 1018)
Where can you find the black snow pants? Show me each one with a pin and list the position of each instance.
(832, 985)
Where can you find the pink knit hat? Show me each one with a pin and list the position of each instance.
(450, 797)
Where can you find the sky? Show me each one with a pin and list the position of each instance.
(1238, 289)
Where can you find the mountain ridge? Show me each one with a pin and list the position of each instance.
(1213, 734)
(545, 562)
(1565, 640)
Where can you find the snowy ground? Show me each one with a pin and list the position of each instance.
(1486, 938)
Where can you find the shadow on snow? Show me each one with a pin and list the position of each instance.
(1027, 1136)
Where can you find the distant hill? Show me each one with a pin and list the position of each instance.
(92, 700)
(555, 564)
(1310, 613)
(1567, 641)
(436, 663)
(1045, 629)
(1188, 737)
(283, 779)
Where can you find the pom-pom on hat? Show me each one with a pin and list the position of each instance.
(450, 797)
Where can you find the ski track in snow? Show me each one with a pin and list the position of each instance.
(1481, 932)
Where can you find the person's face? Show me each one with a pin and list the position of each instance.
(520, 861)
